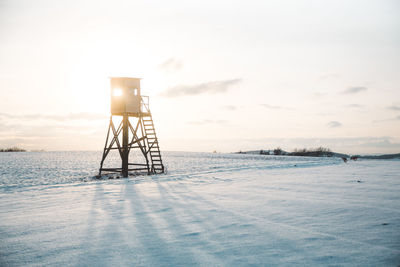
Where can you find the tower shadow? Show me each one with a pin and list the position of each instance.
(160, 244)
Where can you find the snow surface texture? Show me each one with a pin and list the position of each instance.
(210, 210)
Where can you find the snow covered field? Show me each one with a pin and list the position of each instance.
(210, 210)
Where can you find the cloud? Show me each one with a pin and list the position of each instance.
(328, 76)
(324, 113)
(208, 87)
(230, 107)
(65, 117)
(387, 120)
(380, 143)
(171, 64)
(354, 90)
(318, 94)
(394, 107)
(354, 106)
(43, 129)
(50, 135)
(271, 106)
(334, 124)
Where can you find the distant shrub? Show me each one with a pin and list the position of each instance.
(278, 151)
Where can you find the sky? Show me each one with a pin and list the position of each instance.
(221, 75)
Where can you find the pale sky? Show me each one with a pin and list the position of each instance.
(221, 75)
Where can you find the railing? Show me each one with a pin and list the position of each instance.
(144, 104)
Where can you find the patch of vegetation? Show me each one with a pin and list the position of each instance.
(312, 152)
(278, 151)
(12, 149)
(385, 156)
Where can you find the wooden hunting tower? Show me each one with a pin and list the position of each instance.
(126, 101)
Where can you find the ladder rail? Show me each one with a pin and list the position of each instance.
(153, 145)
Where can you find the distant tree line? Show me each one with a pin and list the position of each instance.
(276, 151)
(312, 152)
(308, 152)
(12, 149)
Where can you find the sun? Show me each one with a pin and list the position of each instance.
(117, 92)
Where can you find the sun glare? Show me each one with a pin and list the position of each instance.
(117, 92)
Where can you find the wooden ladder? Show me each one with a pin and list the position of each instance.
(154, 148)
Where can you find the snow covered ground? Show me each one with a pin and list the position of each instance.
(210, 210)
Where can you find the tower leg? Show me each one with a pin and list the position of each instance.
(143, 136)
(125, 143)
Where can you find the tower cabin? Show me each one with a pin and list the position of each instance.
(126, 98)
(135, 131)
